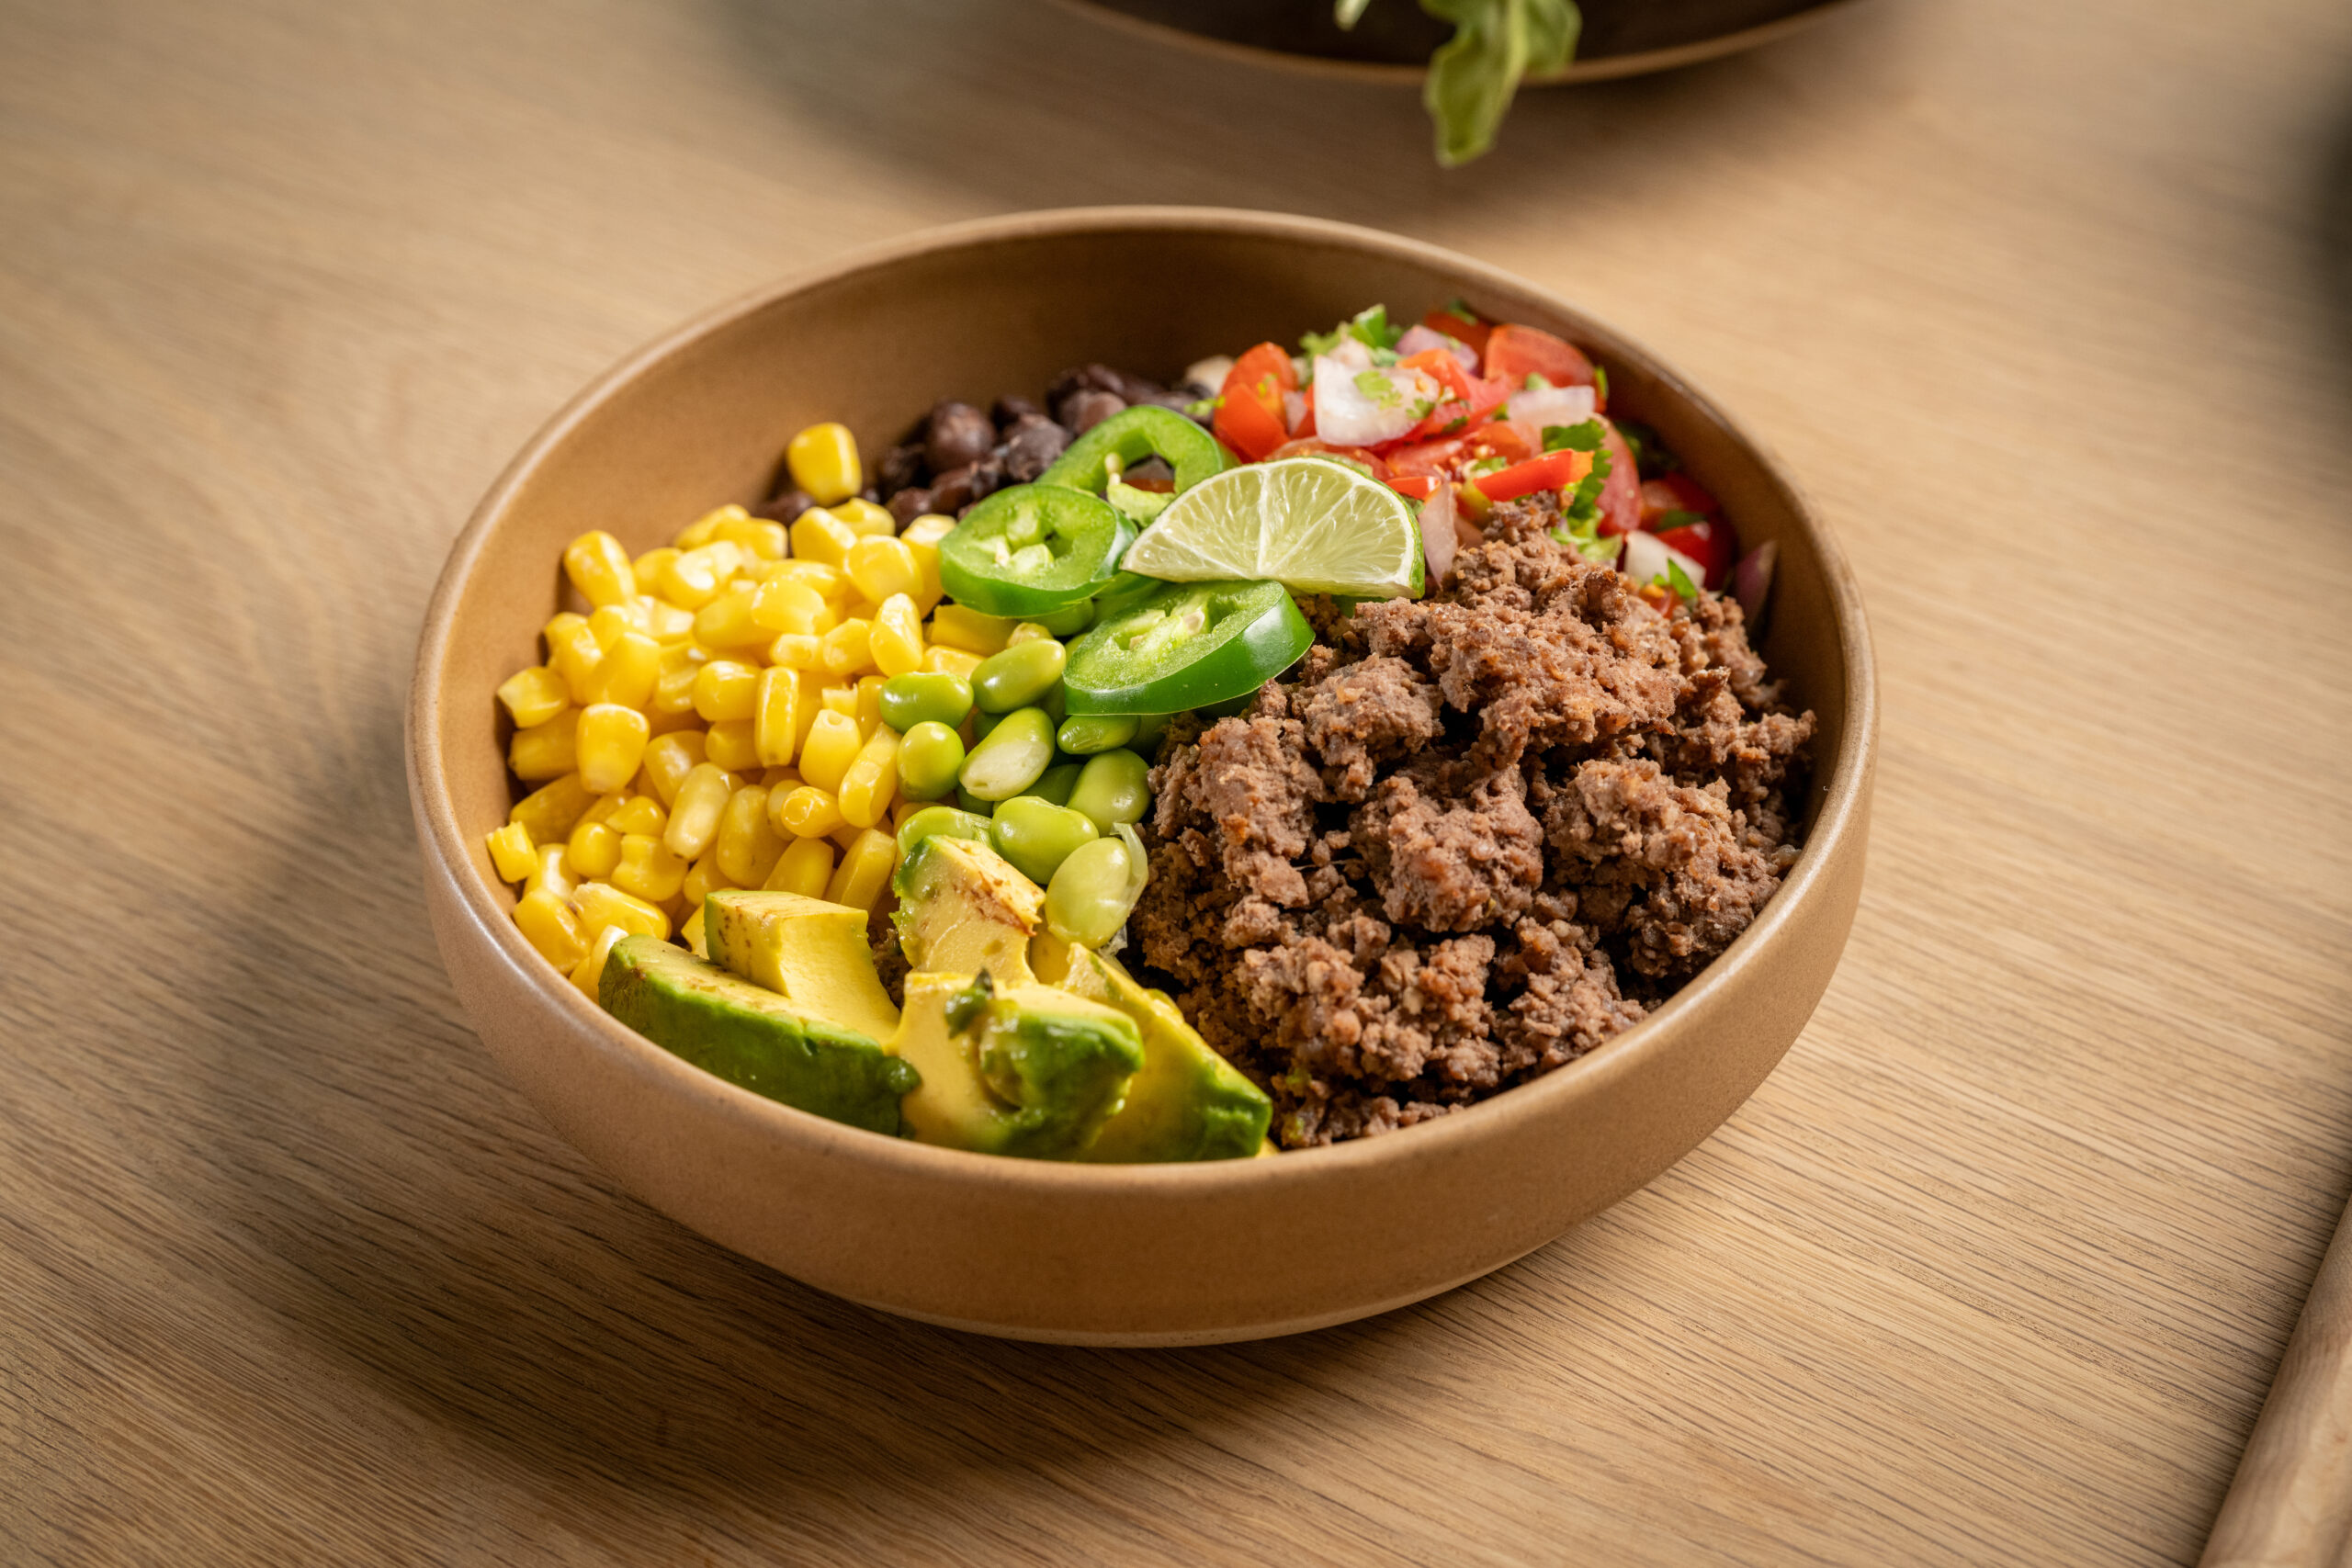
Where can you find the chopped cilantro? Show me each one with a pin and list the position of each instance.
(1652, 459)
(1534, 383)
(1678, 519)
(1369, 327)
(1601, 383)
(1582, 535)
(1379, 389)
(1586, 437)
(1204, 408)
(1679, 580)
(1485, 466)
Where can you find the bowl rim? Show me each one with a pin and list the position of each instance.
(1395, 74)
(1842, 815)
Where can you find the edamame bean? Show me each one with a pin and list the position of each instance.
(1090, 733)
(930, 756)
(1036, 836)
(1070, 620)
(1057, 782)
(924, 696)
(941, 822)
(1020, 676)
(1088, 898)
(1114, 788)
(968, 802)
(983, 723)
(1149, 729)
(1015, 755)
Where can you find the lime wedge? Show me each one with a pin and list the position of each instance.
(1313, 526)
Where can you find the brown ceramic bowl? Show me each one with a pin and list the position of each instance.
(1394, 40)
(1111, 1254)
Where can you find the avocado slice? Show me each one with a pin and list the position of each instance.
(1018, 1069)
(810, 953)
(1188, 1103)
(750, 1036)
(963, 909)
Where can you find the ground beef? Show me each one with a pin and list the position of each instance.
(1435, 861)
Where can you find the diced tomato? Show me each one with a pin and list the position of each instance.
(1421, 487)
(1554, 470)
(1469, 399)
(1302, 445)
(1621, 493)
(1249, 405)
(1448, 453)
(1306, 425)
(1514, 352)
(1674, 493)
(1712, 543)
(1461, 329)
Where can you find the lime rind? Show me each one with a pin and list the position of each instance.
(1313, 526)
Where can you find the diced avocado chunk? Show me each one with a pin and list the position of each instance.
(1188, 1103)
(963, 909)
(752, 1037)
(810, 953)
(1018, 1069)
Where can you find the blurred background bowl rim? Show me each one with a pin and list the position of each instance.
(1843, 788)
(1603, 68)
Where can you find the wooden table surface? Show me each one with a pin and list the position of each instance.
(2045, 301)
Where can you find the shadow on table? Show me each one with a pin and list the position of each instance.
(2333, 235)
(1014, 104)
(385, 1195)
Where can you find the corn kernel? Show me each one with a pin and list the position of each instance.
(864, 518)
(695, 933)
(958, 627)
(673, 692)
(612, 741)
(771, 777)
(926, 531)
(733, 745)
(600, 569)
(869, 704)
(950, 661)
(904, 810)
(846, 648)
(872, 780)
(549, 924)
(704, 877)
(806, 865)
(573, 652)
(693, 813)
(831, 582)
(549, 874)
(809, 812)
(551, 809)
(797, 650)
(691, 578)
(606, 623)
(775, 730)
(833, 745)
(755, 536)
(648, 869)
(591, 973)
(823, 461)
(789, 605)
(648, 568)
(638, 814)
(922, 538)
(840, 699)
(665, 623)
(534, 696)
(629, 672)
(726, 621)
(845, 835)
(747, 844)
(819, 535)
(896, 641)
(669, 760)
(806, 703)
(510, 853)
(545, 751)
(593, 850)
(864, 870)
(659, 723)
(726, 688)
(601, 904)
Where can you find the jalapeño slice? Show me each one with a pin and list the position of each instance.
(1031, 549)
(1132, 434)
(1188, 646)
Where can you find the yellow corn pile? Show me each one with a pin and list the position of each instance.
(714, 719)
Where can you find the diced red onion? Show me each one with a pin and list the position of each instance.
(1346, 415)
(1533, 411)
(1751, 583)
(1437, 535)
(1420, 340)
(1210, 372)
(1294, 410)
(1646, 555)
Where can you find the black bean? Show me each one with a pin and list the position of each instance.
(785, 504)
(988, 477)
(1088, 407)
(1151, 472)
(1031, 446)
(958, 434)
(953, 489)
(1011, 410)
(901, 467)
(910, 503)
(1079, 378)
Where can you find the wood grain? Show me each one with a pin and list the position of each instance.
(1998, 1265)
